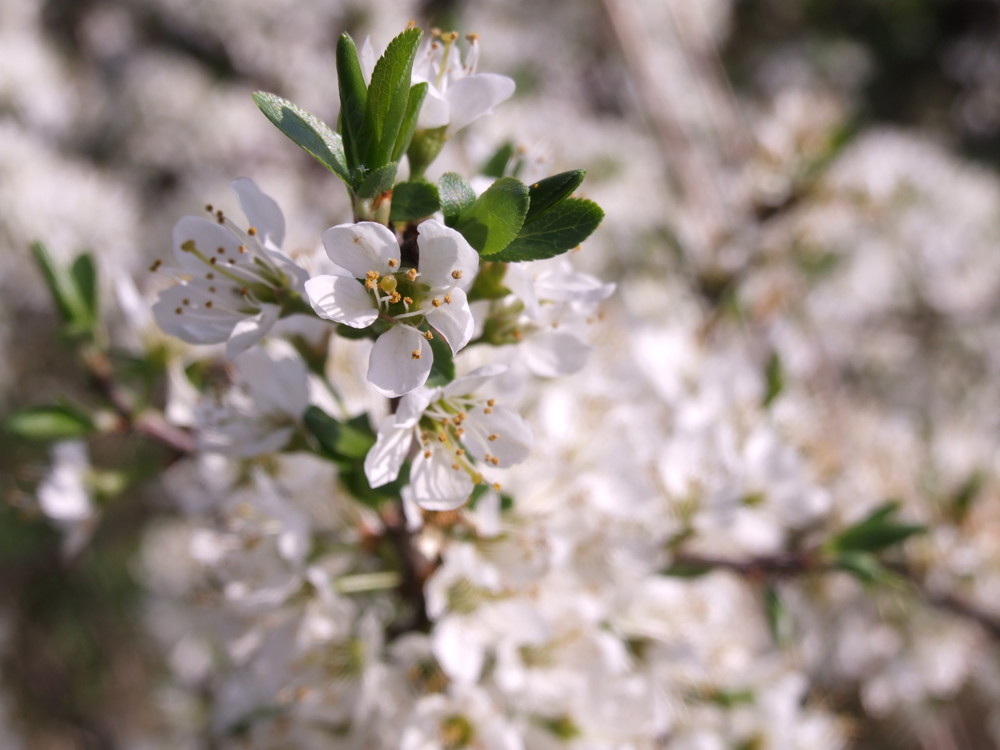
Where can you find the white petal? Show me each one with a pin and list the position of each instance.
(277, 377)
(471, 383)
(436, 484)
(435, 110)
(447, 260)
(453, 320)
(385, 458)
(471, 98)
(363, 247)
(341, 299)
(459, 648)
(554, 353)
(262, 212)
(522, 286)
(412, 405)
(206, 328)
(207, 236)
(513, 439)
(249, 331)
(392, 368)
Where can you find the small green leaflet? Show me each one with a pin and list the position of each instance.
(313, 135)
(495, 218)
(554, 231)
(412, 201)
(457, 196)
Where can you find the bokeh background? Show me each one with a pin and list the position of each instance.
(815, 180)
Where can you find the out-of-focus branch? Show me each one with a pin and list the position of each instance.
(795, 564)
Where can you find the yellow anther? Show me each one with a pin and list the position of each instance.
(220, 217)
(427, 334)
(491, 402)
(436, 302)
(412, 274)
(456, 275)
(392, 262)
(496, 486)
(252, 231)
(493, 437)
(447, 299)
(415, 354)
(178, 311)
(208, 304)
(427, 454)
(243, 249)
(209, 207)
(156, 265)
(472, 37)
(185, 301)
(459, 452)
(220, 250)
(394, 298)
(442, 437)
(487, 410)
(407, 300)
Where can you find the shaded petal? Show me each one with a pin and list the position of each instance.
(341, 299)
(385, 458)
(207, 327)
(447, 260)
(436, 484)
(472, 97)
(460, 648)
(435, 111)
(554, 353)
(249, 331)
(512, 438)
(392, 368)
(363, 247)
(262, 212)
(277, 376)
(453, 321)
(469, 384)
(412, 405)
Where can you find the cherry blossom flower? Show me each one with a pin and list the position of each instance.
(373, 286)
(452, 426)
(231, 284)
(456, 94)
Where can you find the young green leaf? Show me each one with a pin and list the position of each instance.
(554, 231)
(61, 286)
(84, 274)
(496, 165)
(353, 106)
(409, 124)
(349, 440)
(424, 147)
(378, 181)
(494, 220)
(414, 200)
(550, 191)
(774, 377)
(310, 133)
(388, 95)
(875, 532)
(457, 196)
(55, 422)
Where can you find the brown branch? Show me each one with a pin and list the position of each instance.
(796, 564)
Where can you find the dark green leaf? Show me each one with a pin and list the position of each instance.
(494, 220)
(414, 200)
(84, 274)
(443, 369)
(340, 440)
(774, 377)
(553, 232)
(875, 532)
(55, 422)
(457, 196)
(496, 165)
(687, 569)
(864, 567)
(312, 134)
(550, 191)
(378, 182)
(778, 620)
(409, 124)
(966, 494)
(389, 94)
(353, 106)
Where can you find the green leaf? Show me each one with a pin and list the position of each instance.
(496, 165)
(875, 532)
(774, 377)
(457, 196)
(414, 200)
(55, 422)
(310, 133)
(348, 440)
(778, 620)
(409, 124)
(687, 569)
(494, 220)
(62, 287)
(84, 274)
(864, 567)
(388, 95)
(966, 494)
(550, 191)
(562, 227)
(353, 107)
(489, 282)
(443, 369)
(378, 181)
